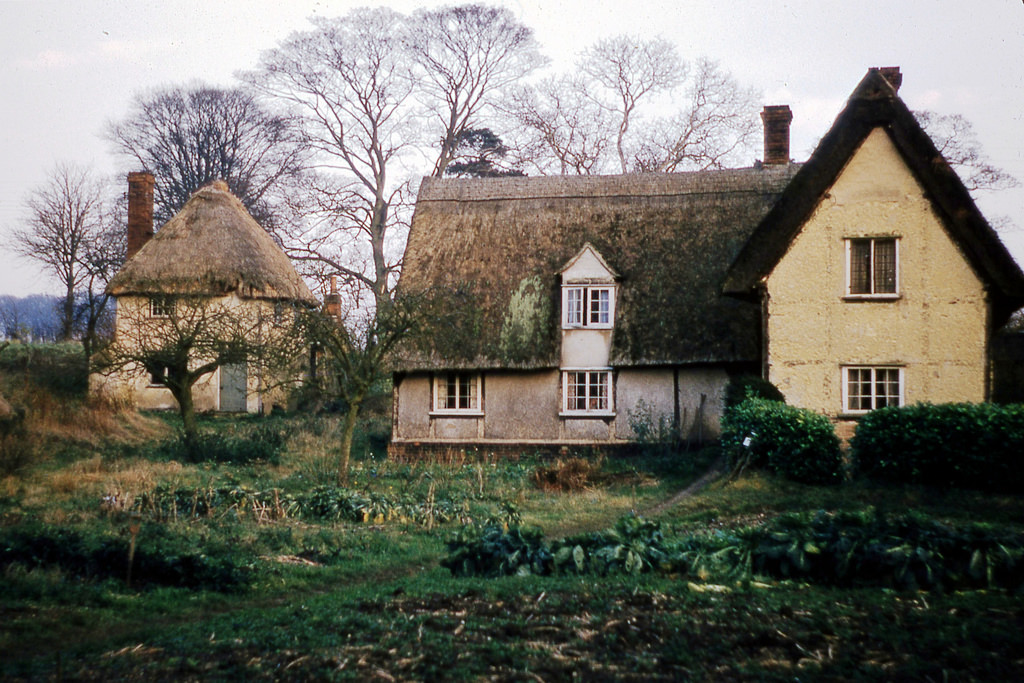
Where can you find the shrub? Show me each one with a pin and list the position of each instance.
(656, 433)
(955, 444)
(264, 442)
(58, 368)
(742, 387)
(162, 557)
(794, 442)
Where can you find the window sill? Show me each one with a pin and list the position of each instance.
(456, 413)
(569, 328)
(872, 297)
(588, 414)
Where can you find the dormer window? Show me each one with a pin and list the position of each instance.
(588, 306)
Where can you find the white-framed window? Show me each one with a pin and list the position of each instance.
(588, 306)
(587, 392)
(457, 392)
(872, 267)
(161, 306)
(871, 386)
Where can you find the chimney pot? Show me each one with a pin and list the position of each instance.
(332, 302)
(140, 211)
(776, 121)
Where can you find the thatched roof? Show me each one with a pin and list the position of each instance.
(212, 247)
(488, 251)
(875, 103)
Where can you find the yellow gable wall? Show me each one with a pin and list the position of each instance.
(935, 330)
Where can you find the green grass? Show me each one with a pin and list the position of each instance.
(353, 601)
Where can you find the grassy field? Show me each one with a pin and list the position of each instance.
(263, 568)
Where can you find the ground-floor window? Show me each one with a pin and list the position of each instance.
(457, 392)
(158, 376)
(586, 391)
(869, 387)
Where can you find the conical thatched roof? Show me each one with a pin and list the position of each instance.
(212, 247)
(491, 250)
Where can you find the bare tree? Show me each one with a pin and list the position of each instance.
(349, 81)
(466, 55)
(101, 258)
(190, 136)
(567, 132)
(628, 69)
(190, 339)
(65, 226)
(955, 138)
(353, 358)
(694, 116)
(714, 126)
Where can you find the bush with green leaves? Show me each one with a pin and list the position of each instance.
(742, 387)
(795, 442)
(162, 556)
(262, 443)
(496, 551)
(969, 445)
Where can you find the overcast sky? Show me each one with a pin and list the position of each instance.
(66, 68)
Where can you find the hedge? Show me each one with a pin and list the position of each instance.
(967, 445)
(794, 442)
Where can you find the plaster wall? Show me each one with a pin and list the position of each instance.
(412, 407)
(586, 348)
(133, 382)
(655, 387)
(935, 329)
(523, 407)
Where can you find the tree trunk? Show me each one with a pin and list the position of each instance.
(348, 432)
(187, 409)
(68, 323)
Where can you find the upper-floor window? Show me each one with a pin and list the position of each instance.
(872, 267)
(588, 306)
(161, 307)
(456, 392)
(870, 387)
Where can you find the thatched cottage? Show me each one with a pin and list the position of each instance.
(212, 252)
(582, 309)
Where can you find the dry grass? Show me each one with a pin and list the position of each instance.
(88, 422)
(571, 474)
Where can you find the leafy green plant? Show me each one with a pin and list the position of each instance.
(262, 443)
(497, 551)
(742, 387)
(656, 433)
(955, 444)
(795, 442)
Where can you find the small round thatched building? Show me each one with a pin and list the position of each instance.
(211, 254)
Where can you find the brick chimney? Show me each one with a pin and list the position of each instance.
(332, 302)
(893, 75)
(140, 211)
(776, 121)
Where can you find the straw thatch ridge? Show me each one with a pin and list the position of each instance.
(876, 103)
(489, 251)
(212, 247)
